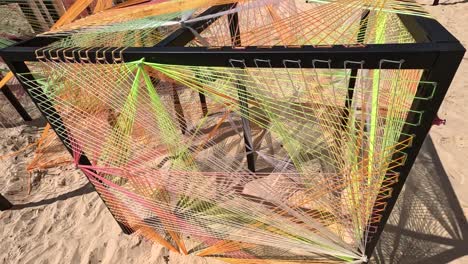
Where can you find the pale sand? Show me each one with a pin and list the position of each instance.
(63, 220)
(451, 140)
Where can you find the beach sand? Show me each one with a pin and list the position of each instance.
(63, 220)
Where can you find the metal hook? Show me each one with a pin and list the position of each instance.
(68, 58)
(346, 62)
(231, 61)
(84, 58)
(51, 56)
(260, 60)
(40, 57)
(116, 59)
(103, 58)
(400, 62)
(321, 61)
(298, 62)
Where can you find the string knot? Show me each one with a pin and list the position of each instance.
(438, 121)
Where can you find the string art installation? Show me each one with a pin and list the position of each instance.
(255, 131)
(22, 20)
(40, 15)
(11, 110)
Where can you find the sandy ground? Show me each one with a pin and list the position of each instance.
(63, 220)
(451, 140)
(10, 24)
(429, 222)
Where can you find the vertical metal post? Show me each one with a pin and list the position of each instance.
(51, 114)
(15, 103)
(442, 72)
(244, 109)
(234, 30)
(352, 79)
(177, 106)
(203, 104)
(178, 109)
(4, 203)
(183, 36)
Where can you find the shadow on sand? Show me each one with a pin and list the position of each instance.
(454, 3)
(427, 224)
(85, 189)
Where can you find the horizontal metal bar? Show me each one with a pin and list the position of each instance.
(415, 56)
(15, 103)
(182, 36)
(424, 29)
(39, 41)
(4, 203)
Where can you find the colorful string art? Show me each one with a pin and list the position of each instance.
(251, 156)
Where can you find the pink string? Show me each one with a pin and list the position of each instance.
(182, 225)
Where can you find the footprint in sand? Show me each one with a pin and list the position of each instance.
(445, 140)
(461, 142)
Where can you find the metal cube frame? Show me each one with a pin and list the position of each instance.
(436, 52)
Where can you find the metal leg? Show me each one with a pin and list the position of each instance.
(15, 103)
(4, 203)
(50, 113)
(203, 104)
(179, 110)
(183, 36)
(352, 79)
(248, 140)
(442, 73)
(234, 30)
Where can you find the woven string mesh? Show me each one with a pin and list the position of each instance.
(170, 147)
(160, 162)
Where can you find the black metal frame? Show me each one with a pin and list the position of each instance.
(14, 102)
(436, 52)
(4, 203)
(6, 91)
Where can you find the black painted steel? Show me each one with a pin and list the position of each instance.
(442, 73)
(427, 30)
(51, 114)
(4, 203)
(15, 103)
(184, 35)
(246, 129)
(352, 79)
(234, 30)
(436, 51)
(416, 56)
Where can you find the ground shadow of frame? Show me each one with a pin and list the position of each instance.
(427, 224)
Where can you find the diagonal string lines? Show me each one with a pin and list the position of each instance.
(170, 171)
